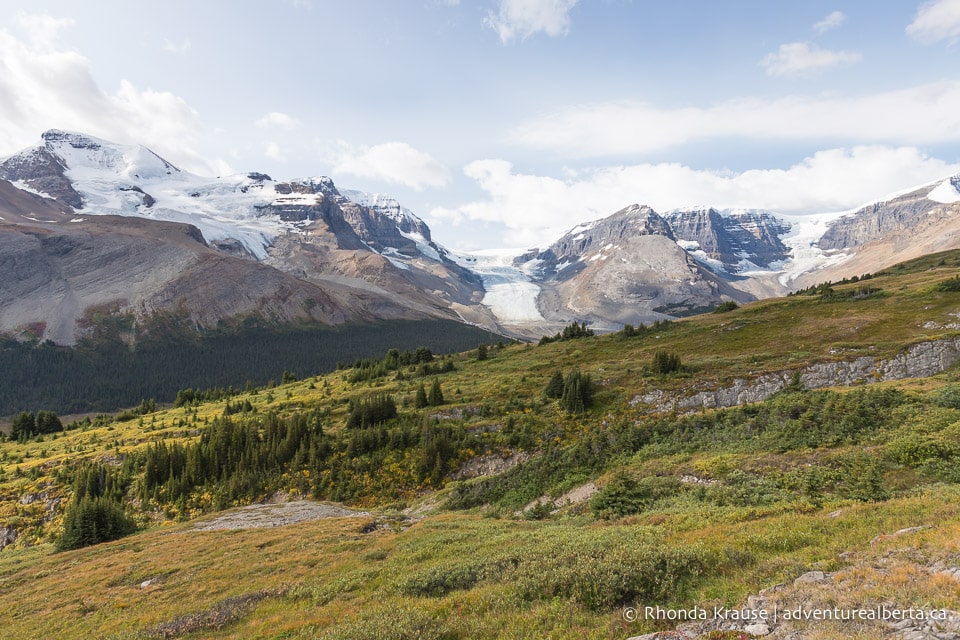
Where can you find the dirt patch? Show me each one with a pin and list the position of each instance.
(571, 497)
(490, 465)
(261, 516)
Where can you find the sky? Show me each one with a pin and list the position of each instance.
(503, 123)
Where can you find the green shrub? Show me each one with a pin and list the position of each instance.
(439, 581)
(948, 397)
(726, 306)
(864, 478)
(600, 571)
(389, 622)
(624, 495)
(665, 362)
(742, 489)
(951, 284)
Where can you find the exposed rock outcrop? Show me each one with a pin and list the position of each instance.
(489, 465)
(8, 535)
(921, 360)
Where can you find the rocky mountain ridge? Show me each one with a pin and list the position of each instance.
(640, 266)
(319, 255)
(369, 257)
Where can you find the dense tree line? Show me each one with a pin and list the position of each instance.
(827, 287)
(571, 332)
(96, 512)
(107, 374)
(240, 458)
(192, 397)
(630, 331)
(142, 409)
(27, 424)
(237, 460)
(421, 360)
(371, 411)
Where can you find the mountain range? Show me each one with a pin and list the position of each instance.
(90, 230)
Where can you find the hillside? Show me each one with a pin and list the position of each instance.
(721, 460)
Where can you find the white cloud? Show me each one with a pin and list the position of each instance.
(274, 152)
(804, 58)
(832, 21)
(180, 48)
(935, 21)
(44, 87)
(524, 18)
(918, 115)
(277, 119)
(537, 209)
(41, 29)
(394, 162)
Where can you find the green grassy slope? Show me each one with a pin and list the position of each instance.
(701, 509)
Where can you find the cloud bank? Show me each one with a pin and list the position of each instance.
(538, 209)
(393, 162)
(918, 115)
(44, 86)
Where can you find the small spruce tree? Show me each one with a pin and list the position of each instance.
(554, 388)
(435, 398)
(577, 392)
(421, 400)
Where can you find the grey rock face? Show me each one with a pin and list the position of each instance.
(41, 170)
(919, 361)
(732, 237)
(8, 535)
(577, 245)
(877, 220)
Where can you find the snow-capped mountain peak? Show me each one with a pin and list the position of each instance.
(80, 152)
(946, 192)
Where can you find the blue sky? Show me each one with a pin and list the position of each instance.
(505, 122)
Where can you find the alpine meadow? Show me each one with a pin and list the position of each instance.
(485, 320)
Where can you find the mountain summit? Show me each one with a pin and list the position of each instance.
(279, 251)
(234, 248)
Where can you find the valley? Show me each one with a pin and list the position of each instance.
(486, 320)
(498, 507)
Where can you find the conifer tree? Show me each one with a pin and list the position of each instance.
(436, 394)
(554, 388)
(577, 392)
(421, 400)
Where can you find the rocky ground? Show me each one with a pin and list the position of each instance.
(259, 516)
(845, 601)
